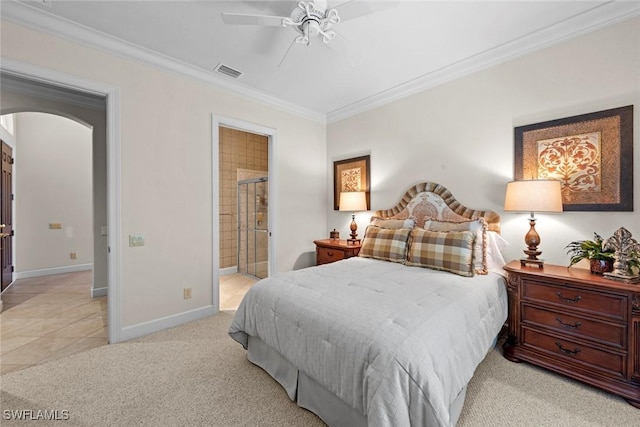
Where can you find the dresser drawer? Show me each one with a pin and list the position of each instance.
(595, 303)
(582, 327)
(327, 255)
(605, 362)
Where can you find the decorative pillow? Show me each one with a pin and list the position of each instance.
(477, 225)
(387, 244)
(393, 223)
(450, 251)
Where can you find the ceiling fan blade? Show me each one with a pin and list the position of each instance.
(244, 19)
(341, 47)
(351, 9)
(293, 42)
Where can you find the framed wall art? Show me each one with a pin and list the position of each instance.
(591, 154)
(351, 175)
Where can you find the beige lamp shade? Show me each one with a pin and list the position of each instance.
(541, 195)
(353, 201)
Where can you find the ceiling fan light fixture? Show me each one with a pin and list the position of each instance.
(312, 18)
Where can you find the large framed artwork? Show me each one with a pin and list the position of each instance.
(591, 154)
(351, 175)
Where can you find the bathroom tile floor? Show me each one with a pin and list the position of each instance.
(232, 289)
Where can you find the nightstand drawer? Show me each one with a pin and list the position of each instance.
(599, 304)
(606, 362)
(579, 326)
(331, 250)
(576, 323)
(327, 255)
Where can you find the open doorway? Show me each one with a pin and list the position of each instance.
(51, 305)
(243, 183)
(243, 204)
(26, 88)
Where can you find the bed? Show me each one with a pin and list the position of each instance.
(393, 336)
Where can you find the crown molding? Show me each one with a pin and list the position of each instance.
(591, 20)
(43, 21)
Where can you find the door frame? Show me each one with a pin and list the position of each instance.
(112, 94)
(218, 121)
(11, 246)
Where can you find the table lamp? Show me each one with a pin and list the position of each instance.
(541, 195)
(353, 201)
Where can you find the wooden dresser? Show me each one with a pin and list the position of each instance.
(331, 250)
(577, 324)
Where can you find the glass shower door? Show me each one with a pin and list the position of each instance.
(253, 234)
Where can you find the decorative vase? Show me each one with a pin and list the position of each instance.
(600, 266)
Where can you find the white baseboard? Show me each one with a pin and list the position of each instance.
(53, 270)
(228, 270)
(156, 325)
(98, 292)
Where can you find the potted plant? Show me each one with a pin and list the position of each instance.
(600, 260)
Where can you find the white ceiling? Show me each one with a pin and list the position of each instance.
(385, 50)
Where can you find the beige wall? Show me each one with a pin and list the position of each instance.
(53, 185)
(166, 172)
(460, 134)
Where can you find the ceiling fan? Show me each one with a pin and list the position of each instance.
(310, 19)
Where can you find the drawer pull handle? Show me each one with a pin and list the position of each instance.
(567, 325)
(569, 300)
(565, 351)
(330, 253)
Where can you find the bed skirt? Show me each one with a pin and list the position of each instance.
(311, 395)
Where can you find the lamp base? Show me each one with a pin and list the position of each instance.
(532, 240)
(353, 241)
(538, 262)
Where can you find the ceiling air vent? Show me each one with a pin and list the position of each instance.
(223, 69)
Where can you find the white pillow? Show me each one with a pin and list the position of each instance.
(495, 246)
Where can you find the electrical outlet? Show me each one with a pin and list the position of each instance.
(136, 240)
(187, 293)
(73, 255)
(55, 226)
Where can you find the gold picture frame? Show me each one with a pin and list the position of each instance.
(351, 175)
(591, 154)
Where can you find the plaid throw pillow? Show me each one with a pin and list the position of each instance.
(478, 225)
(387, 244)
(449, 251)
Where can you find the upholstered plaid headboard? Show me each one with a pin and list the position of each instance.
(429, 200)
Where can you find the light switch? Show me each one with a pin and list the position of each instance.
(103, 230)
(136, 240)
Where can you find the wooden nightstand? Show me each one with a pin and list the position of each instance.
(331, 250)
(577, 324)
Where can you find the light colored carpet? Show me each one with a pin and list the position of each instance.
(195, 375)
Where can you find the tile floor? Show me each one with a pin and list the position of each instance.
(45, 318)
(49, 317)
(232, 289)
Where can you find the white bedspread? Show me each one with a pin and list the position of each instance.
(388, 339)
